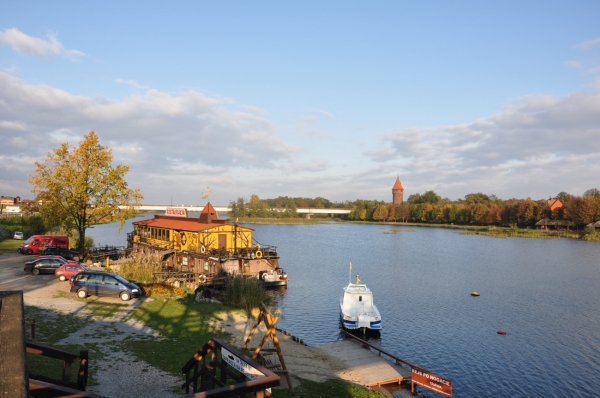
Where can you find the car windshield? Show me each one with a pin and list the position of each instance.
(121, 279)
(28, 241)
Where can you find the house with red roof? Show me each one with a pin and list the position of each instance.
(204, 245)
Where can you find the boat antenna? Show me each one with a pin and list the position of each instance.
(350, 275)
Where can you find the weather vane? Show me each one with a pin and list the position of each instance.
(206, 194)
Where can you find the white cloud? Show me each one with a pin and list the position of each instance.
(314, 165)
(132, 83)
(588, 45)
(254, 109)
(531, 144)
(37, 47)
(573, 64)
(157, 133)
(326, 113)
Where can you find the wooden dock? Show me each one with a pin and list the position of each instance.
(365, 366)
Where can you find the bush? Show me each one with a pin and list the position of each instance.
(246, 294)
(589, 233)
(161, 289)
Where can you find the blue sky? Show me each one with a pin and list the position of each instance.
(330, 99)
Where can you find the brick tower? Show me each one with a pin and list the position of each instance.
(397, 193)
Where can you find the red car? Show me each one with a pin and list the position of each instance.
(66, 271)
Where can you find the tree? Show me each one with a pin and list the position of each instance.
(81, 188)
(593, 192)
(380, 213)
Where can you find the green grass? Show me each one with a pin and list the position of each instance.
(185, 325)
(103, 310)
(10, 245)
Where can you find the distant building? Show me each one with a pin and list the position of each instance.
(9, 200)
(558, 225)
(397, 193)
(554, 204)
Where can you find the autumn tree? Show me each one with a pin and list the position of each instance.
(380, 213)
(80, 188)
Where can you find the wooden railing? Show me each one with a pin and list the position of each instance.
(15, 379)
(68, 360)
(380, 351)
(207, 373)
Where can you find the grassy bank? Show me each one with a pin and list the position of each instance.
(10, 245)
(184, 326)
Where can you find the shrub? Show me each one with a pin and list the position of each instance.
(246, 294)
(161, 289)
(589, 233)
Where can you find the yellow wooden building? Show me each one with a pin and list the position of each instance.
(203, 245)
(205, 234)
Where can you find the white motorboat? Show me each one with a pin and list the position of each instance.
(357, 310)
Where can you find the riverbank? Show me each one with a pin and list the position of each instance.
(149, 339)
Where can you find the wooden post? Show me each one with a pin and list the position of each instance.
(14, 380)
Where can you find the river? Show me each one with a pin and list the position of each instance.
(544, 294)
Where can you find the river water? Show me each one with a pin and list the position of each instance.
(545, 294)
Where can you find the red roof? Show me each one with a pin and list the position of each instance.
(398, 184)
(183, 223)
(208, 215)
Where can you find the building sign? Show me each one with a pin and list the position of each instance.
(428, 380)
(176, 211)
(241, 366)
(183, 238)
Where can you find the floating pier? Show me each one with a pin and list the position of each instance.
(367, 367)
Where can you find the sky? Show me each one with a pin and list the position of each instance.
(313, 99)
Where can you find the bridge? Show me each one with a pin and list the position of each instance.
(225, 209)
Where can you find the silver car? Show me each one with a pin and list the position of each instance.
(18, 235)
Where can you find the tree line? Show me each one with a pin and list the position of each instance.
(474, 209)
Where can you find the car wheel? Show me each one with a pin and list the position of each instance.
(62, 278)
(35, 271)
(81, 293)
(29, 251)
(125, 296)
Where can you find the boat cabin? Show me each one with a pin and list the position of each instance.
(356, 298)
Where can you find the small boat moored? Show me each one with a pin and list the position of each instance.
(357, 310)
(271, 278)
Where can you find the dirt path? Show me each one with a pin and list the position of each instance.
(118, 374)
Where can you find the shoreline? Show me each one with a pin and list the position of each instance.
(115, 373)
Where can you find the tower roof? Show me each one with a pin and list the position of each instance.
(208, 214)
(398, 184)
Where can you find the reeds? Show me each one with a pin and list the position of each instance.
(245, 293)
(140, 267)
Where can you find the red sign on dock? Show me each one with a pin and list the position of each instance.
(430, 381)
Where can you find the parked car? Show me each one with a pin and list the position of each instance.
(43, 265)
(18, 235)
(99, 283)
(61, 251)
(67, 270)
(60, 258)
